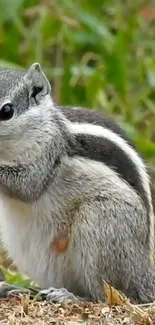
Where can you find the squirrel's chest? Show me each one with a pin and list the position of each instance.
(28, 239)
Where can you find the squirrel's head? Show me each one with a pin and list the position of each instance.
(26, 107)
(24, 97)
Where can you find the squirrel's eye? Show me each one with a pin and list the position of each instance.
(6, 111)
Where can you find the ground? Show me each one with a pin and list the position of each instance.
(41, 313)
(12, 313)
(23, 311)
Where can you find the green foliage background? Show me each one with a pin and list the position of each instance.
(96, 53)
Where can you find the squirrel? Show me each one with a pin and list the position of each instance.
(75, 198)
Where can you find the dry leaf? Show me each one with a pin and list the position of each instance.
(114, 298)
(25, 303)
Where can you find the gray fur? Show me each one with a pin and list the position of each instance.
(46, 191)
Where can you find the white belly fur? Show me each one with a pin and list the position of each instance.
(30, 249)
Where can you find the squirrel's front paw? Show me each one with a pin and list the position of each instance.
(7, 290)
(59, 296)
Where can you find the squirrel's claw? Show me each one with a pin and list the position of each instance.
(59, 296)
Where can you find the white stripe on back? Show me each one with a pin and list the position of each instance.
(99, 131)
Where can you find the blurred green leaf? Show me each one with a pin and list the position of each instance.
(11, 65)
(9, 9)
(146, 147)
(116, 65)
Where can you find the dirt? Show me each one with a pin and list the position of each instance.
(15, 311)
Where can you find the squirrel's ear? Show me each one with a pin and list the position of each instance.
(37, 82)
